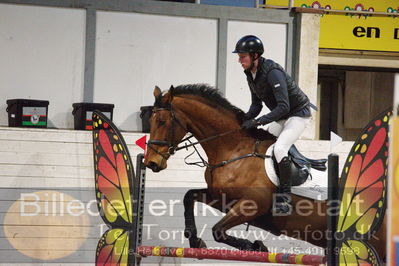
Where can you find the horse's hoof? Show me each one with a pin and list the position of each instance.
(197, 243)
(259, 246)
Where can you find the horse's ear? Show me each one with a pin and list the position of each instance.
(171, 89)
(157, 92)
(169, 95)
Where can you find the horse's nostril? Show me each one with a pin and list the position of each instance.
(153, 166)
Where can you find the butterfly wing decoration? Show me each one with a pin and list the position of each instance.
(113, 247)
(357, 252)
(363, 191)
(113, 173)
(114, 177)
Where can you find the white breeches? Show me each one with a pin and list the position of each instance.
(287, 133)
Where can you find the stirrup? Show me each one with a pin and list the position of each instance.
(281, 204)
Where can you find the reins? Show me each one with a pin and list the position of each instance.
(173, 147)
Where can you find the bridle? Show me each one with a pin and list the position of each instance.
(171, 142)
(173, 146)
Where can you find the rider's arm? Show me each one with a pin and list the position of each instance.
(255, 108)
(277, 81)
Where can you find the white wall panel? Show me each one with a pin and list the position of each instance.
(42, 57)
(274, 38)
(135, 52)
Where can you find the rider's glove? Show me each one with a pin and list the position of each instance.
(252, 123)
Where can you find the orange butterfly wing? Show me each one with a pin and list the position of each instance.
(113, 248)
(113, 173)
(363, 187)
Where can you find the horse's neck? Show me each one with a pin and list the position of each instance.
(205, 121)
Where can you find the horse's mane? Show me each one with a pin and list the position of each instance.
(211, 94)
(214, 97)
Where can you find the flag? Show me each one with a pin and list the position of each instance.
(141, 142)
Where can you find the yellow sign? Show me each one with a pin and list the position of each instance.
(352, 31)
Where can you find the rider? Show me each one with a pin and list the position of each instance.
(288, 104)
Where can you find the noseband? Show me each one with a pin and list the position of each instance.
(170, 142)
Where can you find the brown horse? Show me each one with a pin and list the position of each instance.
(235, 170)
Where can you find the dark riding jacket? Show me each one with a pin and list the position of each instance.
(274, 86)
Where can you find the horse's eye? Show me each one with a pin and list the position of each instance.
(161, 123)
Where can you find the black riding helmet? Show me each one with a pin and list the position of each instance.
(249, 44)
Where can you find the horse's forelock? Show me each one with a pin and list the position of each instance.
(158, 101)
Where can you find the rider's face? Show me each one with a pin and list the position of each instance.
(245, 60)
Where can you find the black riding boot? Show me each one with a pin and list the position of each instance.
(282, 202)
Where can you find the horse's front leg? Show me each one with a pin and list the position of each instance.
(190, 231)
(243, 211)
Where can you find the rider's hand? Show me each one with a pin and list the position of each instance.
(246, 117)
(252, 123)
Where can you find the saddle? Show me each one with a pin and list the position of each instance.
(300, 166)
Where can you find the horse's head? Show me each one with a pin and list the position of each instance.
(167, 130)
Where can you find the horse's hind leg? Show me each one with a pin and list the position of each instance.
(190, 231)
(240, 213)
